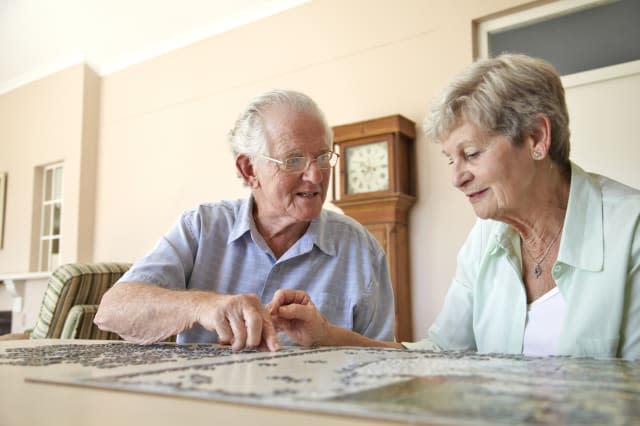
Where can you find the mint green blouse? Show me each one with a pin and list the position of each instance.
(597, 273)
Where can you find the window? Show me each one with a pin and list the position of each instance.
(50, 215)
(574, 35)
(594, 46)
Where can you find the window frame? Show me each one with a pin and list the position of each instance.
(50, 203)
(543, 13)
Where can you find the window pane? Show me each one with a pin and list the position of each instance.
(580, 41)
(57, 183)
(55, 253)
(55, 262)
(48, 181)
(56, 219)
(44, 255)
(46, 219)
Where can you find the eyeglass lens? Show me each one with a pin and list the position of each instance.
(299, 163)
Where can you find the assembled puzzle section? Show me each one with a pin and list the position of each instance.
(411, 386)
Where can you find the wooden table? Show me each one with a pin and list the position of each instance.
(72, 382)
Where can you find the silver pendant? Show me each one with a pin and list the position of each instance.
(537, 270)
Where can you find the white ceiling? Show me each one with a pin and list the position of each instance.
(38, 37)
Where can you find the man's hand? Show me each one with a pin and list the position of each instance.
(294, 313)
(144, 313)
(240, 321)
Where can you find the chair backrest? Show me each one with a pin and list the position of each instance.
(70, 285)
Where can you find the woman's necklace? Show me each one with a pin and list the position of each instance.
(537, 270)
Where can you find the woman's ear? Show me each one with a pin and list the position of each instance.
(245, 168)
(540, 137)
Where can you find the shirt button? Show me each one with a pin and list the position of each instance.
(557, 269)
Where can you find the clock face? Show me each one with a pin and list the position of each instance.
(367, 167)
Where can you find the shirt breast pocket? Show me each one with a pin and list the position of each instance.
(337, 308)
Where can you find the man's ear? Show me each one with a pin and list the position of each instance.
(245, 168)
(540, 137)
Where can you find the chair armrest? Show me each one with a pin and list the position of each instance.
(14, 336)
(79, 325)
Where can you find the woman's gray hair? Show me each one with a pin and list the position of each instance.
(248, 135)
(504, 95)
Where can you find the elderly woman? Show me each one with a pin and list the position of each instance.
(552, 266)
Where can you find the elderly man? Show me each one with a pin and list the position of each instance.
(209, 277)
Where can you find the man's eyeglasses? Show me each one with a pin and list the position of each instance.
(298, 164)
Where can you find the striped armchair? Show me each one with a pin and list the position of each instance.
(71, 300)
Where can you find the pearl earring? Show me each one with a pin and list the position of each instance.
(537, 155)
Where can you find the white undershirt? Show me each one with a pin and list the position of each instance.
(544, 321)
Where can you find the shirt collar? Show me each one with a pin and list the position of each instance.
(582, 241)
(245, 221)
(319, 235)
(504, 238)
(315, 234)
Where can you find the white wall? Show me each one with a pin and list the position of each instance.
(604, 106)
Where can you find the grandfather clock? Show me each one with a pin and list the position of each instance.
(375, 184)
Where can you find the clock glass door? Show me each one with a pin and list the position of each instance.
(367, 167)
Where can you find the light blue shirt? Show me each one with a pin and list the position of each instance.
(597, 272)
(217, 247)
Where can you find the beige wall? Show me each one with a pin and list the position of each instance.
(43, 123)
(160, 137)
(164, 123)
